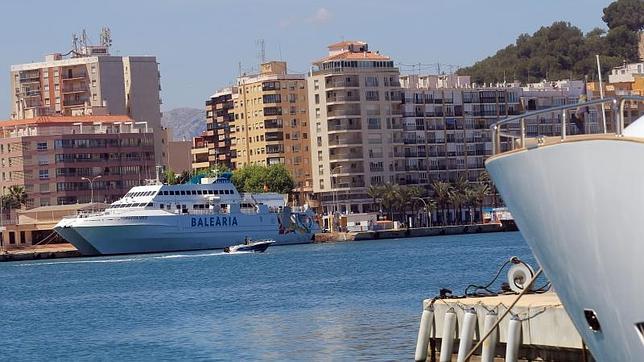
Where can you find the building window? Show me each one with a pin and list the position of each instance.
(43, 174)
(317, 99)
(41, 146)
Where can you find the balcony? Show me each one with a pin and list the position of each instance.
(273, 124)
(342, 98)
(74, 76)
(274, 136)
(346, 156)
(345, 141)
(71, 90)
(344, 127)
(343, 112)
(342, 84)
(74, 102)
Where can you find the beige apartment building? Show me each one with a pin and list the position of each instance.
(55, 158)
(271, 124)
(357, 132)
(91, 81)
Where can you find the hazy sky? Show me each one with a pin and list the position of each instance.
(199, 43)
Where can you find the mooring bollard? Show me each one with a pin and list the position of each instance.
(467, 333)
(424, 332)
(514, 339)
(447, 343)
(489, 345)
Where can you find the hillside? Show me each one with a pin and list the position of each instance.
(185, 123)
(561, 50)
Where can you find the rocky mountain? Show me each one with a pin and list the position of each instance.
(185, 123)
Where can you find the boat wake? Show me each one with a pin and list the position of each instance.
(125, 260)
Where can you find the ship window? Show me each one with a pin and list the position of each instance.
(183, 192)
(161, 206)
(199, 192)
(592, 320)
(211, 192)
(150, 204)
(194, 192)
(171, 192)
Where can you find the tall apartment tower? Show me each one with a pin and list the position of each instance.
(355, 111)
(271, 123)
(219, 117)
(91, 82)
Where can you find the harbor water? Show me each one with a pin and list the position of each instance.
(338, 301)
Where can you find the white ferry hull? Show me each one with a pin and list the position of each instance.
(580, 207)
(106, 235)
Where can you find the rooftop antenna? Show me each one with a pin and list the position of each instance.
(75, 42)
(106, 37)
(279, 48)
(261, 44)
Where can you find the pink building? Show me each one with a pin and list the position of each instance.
(55, 158)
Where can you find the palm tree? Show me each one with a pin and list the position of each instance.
(484, 177)
(442, 191)
(457, 199)
(404, 196)
(461, 187)
(478, 193)
(389, 197)
(376, 192)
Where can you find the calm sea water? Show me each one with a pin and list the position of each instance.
(342, 301)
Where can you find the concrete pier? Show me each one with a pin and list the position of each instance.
(409, 232)
(51, 251)
(547, 333)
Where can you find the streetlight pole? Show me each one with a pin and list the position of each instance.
(335, 183)
(334, 194)
(424, 203)
(91, 186)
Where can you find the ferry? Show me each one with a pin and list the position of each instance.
(577, 200)
(210, 214)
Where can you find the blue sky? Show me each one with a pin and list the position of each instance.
(199, 43)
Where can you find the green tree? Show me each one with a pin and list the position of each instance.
(257, 179)
(628, 13)
(459, 196)
(375, 192)
(278, 179)
(562, 50)
(169, 177)
(14, 198)
(442, 191)
(389, 198)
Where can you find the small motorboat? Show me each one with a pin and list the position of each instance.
(259, 246)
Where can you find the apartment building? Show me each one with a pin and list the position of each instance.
(447, 123)
(356, 125)
(91, 81)
(217, 139)
(270, 124)
(54, 158)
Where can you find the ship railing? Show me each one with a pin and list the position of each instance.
(513, 129)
